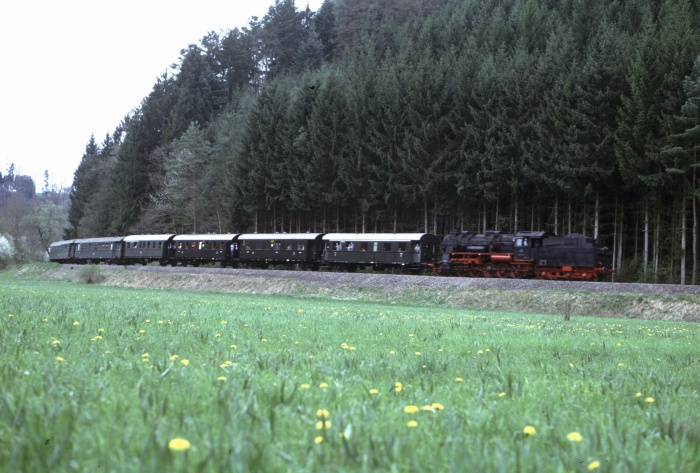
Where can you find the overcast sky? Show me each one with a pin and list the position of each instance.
(72, 68)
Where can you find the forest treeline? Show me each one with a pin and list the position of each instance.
(573, 116)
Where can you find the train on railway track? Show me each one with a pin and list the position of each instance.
(492, 254)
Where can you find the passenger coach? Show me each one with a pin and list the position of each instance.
(350, 251)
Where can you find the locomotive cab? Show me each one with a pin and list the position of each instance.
(528, 245)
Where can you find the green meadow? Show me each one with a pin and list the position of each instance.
(96, 378)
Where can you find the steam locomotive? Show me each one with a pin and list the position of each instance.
(464, 253)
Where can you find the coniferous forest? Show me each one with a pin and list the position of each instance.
(573, 116)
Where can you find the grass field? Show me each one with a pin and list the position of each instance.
(112, 379)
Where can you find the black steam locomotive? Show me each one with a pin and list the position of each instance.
(490, 254)
(524, 255)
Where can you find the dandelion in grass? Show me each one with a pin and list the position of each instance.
(304, 386)
(174, 357)
(574, 437)
(179, 444)
(142, 331)
(185, 362)
(223, 322)
(323, 413)
(417, 353)
(529, 430)
(320, 425)
(594, 465)
(100, 330)
(60, 358)
(10, 315)
(318, 439)
(218, 335)
(501, 394)
(264, 340)
(398, 386)
(428, 408)
(620, 364)
(480, 352)
(410, 409)
(221, 378)
(437, 406)
(392, 352)
(571, 365)
(323, 385)
(412, 423)
(76, 323)
(649, 400)
(374, 391)
(458, 379)
(233, 347)
(637, 394)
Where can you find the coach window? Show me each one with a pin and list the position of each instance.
(363, 246)
(387, 246)
(402, 246)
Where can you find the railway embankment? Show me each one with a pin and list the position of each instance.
(643, 301)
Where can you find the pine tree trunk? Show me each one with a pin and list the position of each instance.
(682, 240)
(645, 256)
(695, 227)
(596, 216)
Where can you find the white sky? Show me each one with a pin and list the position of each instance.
(72, 68)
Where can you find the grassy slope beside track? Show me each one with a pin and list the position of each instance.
(641, 301)
(103, 378)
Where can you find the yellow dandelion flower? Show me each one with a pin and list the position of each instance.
(100, 330)
(320, 425)
(10, 315)
(318, 439)
(574, 437)
(417, 353)
(323, 385)
(59, 358)
(142, 331)
(571, 365)
(410, 334)
(145, 355)
(55, 342)
(374, 391)
(352, 348)
(344, 346)
(218, 335)
(437, 406)
(223, 322)
(488, 350)
(458, 379)
(412, 423)
(76, 323)
(428, 408)
(322, 413)
(410, 409)
(620, 364)
(221, 378)
(649, 400)
(594, 465)
(178, 445)
(637, 394)
(174, 357)
(185, 362)
(148, 321)
(480, 352)
(398, 387)
(233, 347)
(304, 386)
(501, 394)
(392, 352)
(529, 430)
